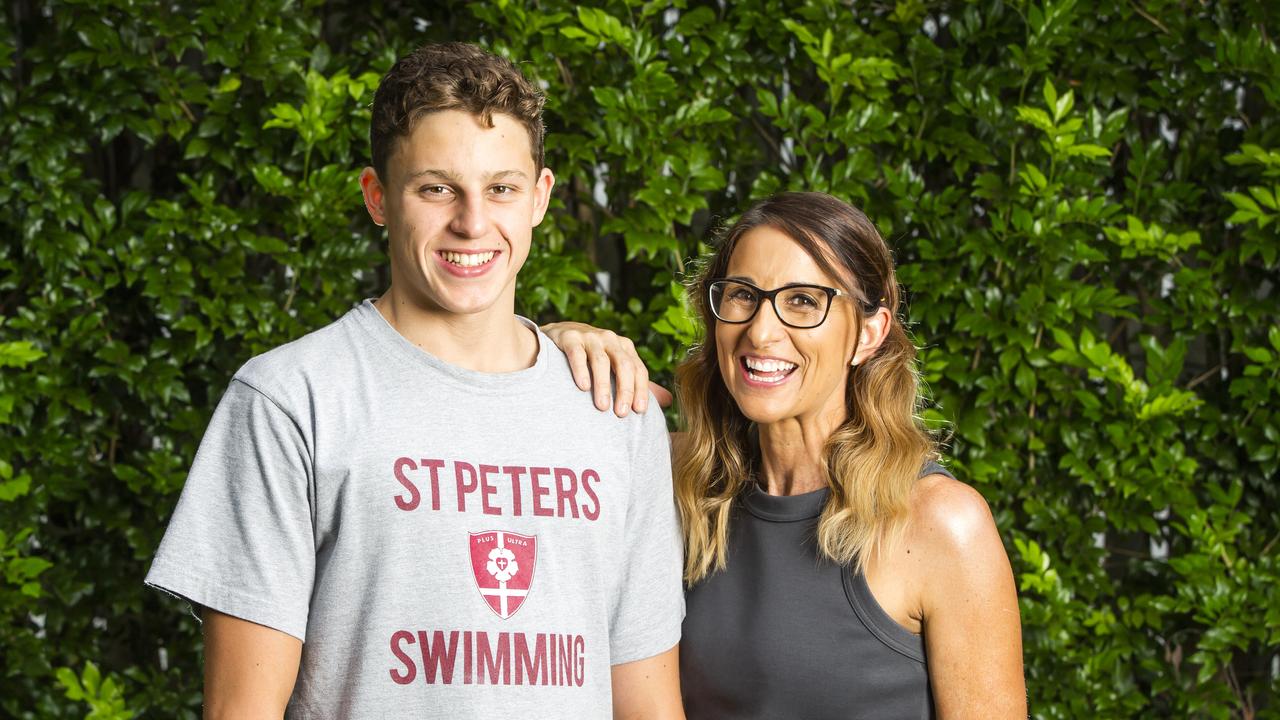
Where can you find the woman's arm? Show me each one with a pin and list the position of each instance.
(593, 353)
(969, 603)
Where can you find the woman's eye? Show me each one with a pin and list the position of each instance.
(802, 300)
(742, 295)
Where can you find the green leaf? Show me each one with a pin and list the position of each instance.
(1062, 106)
(1264, 196)
(576, 33)
(1050, 95)
(272, 179)
(1025, 380)
(12, 489)
(91, 678)
(265, 244)
(1089, 151)
(228, 84)
(69, 681)
(284, 116)
(801, 32)
(1035, 117)
(196, 148)
(768, 102)
(19, 354)
(1243, 202)
(1259, 355)
(1034, 178)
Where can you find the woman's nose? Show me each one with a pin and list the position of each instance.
(766, 326)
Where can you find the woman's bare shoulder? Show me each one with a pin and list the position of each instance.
(950, 519)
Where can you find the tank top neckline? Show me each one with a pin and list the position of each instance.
(784, 508)
(805, 506)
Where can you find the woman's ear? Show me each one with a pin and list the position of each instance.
(875, 328)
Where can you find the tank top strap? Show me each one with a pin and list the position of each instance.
(933, 467)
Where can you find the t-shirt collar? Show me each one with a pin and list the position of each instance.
(368, 317)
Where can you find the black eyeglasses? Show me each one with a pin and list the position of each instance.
(801, 306)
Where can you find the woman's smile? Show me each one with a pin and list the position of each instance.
(765, 372)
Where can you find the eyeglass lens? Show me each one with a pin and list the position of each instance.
(800, 306)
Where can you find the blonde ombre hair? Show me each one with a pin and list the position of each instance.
(872, 460)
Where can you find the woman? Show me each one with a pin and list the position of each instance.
(834, 570)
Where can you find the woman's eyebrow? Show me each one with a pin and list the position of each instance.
(796, 283)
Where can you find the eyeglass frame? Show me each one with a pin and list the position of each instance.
(772, 295)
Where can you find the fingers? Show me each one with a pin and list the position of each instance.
(641, 382)
(598, 359)
(571, 338)
(577, 357)
(621, 353)
(593, 355)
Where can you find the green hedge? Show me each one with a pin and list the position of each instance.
(1082, 199)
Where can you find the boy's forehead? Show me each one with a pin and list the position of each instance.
(456, 143)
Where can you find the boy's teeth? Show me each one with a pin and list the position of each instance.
(468, 259)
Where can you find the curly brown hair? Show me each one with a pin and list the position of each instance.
(451, 76)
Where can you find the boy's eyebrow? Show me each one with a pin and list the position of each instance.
(435, 174)
(451, 177)
(508, 174)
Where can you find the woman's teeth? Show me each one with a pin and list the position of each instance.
(768, 370)
(468, 259)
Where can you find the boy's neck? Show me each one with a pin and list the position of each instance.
(493, 341)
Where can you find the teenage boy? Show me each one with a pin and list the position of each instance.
(413, 512)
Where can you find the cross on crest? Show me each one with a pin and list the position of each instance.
(502, 564)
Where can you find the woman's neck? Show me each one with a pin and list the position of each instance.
(791, 454)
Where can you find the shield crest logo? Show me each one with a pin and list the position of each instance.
(502, 564)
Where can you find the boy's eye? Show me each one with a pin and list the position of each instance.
(433, 189)
(503, 189)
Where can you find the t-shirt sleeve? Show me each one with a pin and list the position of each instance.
(649, 603)
(240, 540)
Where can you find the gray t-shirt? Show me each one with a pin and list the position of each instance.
(447, 543)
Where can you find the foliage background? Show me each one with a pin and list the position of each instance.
(1081, 197)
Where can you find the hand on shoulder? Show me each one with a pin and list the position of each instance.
(593, 353)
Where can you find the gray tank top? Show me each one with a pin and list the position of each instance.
(784, 633)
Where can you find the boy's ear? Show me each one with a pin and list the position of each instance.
(371, 187)
(542, 194)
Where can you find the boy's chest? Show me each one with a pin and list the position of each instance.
(435, 488)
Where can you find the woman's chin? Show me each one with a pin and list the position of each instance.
(762, 412)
